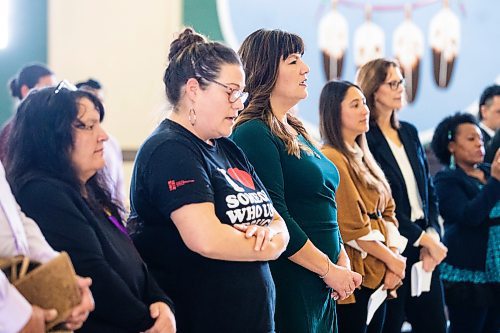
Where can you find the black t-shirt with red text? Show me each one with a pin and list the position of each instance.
(174, 168)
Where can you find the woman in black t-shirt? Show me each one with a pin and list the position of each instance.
(204, 222)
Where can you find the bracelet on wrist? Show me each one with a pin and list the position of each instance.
(328, 268)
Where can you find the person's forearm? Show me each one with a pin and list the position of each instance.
(376, 249)
(311, 258)
(228, 243)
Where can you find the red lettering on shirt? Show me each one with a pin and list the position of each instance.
(173, 185)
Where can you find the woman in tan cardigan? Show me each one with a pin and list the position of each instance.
(365, 205)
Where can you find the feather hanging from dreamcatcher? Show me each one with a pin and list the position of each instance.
(444, 40)
(333, 39)
(369, 41)
(408, 48)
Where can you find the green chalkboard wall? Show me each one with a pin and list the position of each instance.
(27, 43)
(202, 16)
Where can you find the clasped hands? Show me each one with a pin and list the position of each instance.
(342, 280)
(263, 235)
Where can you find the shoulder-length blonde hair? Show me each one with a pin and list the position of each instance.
(369, 78)
(261, 53)
(330, 123)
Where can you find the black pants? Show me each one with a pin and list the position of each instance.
(473, 319)
(352, 317)
(473, 307)
(426, 312)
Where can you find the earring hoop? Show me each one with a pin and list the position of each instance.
(192, 117)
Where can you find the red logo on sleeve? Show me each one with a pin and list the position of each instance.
(173, 185)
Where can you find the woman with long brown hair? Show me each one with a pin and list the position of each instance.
(365, 205)
(300, 181)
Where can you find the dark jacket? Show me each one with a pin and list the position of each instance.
(416, 155)
(121, 285)
(486, 136)
(465, 209)
(492, 147)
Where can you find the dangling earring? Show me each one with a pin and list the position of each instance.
(192, 117)
(453, 166)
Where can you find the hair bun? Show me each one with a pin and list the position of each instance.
(14, 88)
(186, 38)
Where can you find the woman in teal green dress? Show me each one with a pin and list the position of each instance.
(314, 270)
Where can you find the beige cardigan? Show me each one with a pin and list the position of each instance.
(354, 202)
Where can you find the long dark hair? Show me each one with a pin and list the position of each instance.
(41, 142)
(261, 53)
(330, 123)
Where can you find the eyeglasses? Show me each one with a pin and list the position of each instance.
(234, 94)
(394, 85)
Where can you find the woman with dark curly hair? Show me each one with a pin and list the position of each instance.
(469, 202)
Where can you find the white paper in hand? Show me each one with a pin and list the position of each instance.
(376, 299)
(420, 279)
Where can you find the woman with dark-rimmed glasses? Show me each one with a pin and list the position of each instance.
(206, 225)
(396, 147)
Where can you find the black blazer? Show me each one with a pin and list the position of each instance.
(383, 155)
(492, 147)
(122, 287)
(465, 209)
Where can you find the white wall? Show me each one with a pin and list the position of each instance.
(124, 44)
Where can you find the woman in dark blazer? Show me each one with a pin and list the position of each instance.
(397, 148)
(469, 202)
(54, 164)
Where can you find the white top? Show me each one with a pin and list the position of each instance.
(114, 169)
(488, 130)
(417, 211)
(18, 235)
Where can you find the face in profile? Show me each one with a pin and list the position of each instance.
(291, 84)
(43, 82)
(354, 113)
(390, 93)
(491, 113)
(467, 146)
(87, 154)
(218, 104)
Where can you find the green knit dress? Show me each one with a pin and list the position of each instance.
(303, 193)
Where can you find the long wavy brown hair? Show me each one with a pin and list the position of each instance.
(261, 53)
